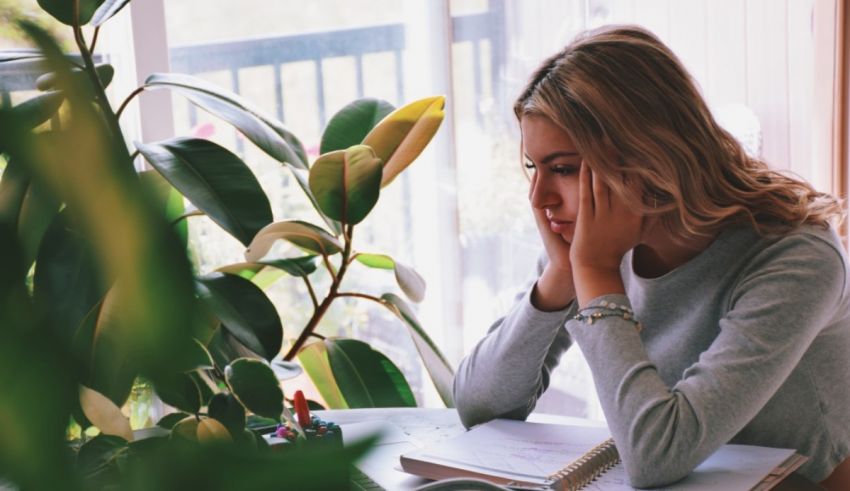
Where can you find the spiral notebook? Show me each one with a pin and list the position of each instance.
(544, 456)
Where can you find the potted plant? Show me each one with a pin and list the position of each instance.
(97, 290)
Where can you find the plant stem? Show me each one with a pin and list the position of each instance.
(127, 100)
(312, 293)
(94, 39)
(323, 307)
(100, 93)
(361, 295)
(193, 213)
(317, 335)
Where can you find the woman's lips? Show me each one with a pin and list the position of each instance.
(560, 226)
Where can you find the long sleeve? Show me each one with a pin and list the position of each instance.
(779, 303)
(509, 368)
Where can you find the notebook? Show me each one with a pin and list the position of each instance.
(541, 456)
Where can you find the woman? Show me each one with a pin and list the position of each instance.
(708, 294)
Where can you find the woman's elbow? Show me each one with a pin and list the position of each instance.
(646, 470)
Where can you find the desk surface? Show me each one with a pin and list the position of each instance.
(412, 428)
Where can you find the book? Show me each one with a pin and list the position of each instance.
(543, 456)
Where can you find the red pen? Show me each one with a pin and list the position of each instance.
(301, 409)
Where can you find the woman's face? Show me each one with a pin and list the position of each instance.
(553, 164)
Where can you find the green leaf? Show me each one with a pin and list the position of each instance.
(347, 183)
(27, 207)
(285, 370)
(169, 420)
(66, 276)
(40, 108)
(306, 236)
(63, 10)
(198, 357)
(113, 367)
(366, 377)
(105, 73)
(254, 384)
(256, 273)
(215, 181)
(438, 367)
(377, 261)
(205, 385)
(229, 412)
(296, 266)
(107, 10)
(352, 123)
(98, 458)
(403, 134)
(264, 131)
(407, 278)
(179, 390)
(244, 311)
(314, 359)
(168, 200)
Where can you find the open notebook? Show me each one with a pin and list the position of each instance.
(547, 456)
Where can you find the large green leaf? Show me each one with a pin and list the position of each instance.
(179, 390)
(314, 359)
(347, 183)
(438, 367)
(256, 273)
(266, 132)
(168, 200)
(27, 207)
(66, 277)
(107, 10)
(98, 459)
(63, 10)
(295, 266)
(214, 180)
(229, 412)
(403, 134)
(105, 73)
(245, 311)
(254, 384)
(90, 168)
(304, 235)
(40, 108)
(366, 377)
(352, 123)
(411, 283)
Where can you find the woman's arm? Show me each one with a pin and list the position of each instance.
(786, 297)
(509, 369)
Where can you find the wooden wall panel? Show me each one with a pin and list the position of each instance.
(800, 89)
(726, 53)
(688, 36)
(767, 76)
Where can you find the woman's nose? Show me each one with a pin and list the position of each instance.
(541, 194)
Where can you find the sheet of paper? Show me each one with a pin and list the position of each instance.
(731, 467)
(516, 449)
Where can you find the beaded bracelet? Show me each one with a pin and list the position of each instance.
(607, 309)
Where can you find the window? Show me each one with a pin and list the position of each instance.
(460, 215)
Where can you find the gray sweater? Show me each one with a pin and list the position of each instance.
(749, 342)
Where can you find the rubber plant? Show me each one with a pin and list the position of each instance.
(364, 147)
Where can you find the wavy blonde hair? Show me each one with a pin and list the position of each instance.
(621, 88)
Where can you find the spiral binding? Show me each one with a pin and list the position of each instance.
(588, 467)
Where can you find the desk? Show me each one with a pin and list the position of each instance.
(411, 428)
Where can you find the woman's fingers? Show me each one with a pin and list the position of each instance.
(585, 193)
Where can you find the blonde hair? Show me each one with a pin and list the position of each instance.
(620, 88)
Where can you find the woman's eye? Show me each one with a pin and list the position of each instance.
(530, 166)
(564, 170)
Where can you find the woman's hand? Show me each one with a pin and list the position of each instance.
(554, 289)
(606, 228)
